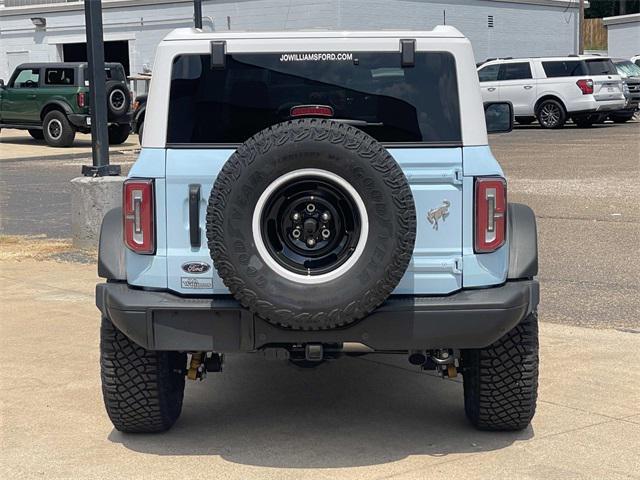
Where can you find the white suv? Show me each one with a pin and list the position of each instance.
(553, 89)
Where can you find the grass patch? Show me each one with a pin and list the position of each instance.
(41, 247)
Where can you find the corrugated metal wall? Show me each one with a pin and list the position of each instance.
(517, 29)
(624, 39)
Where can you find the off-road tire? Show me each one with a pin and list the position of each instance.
(119, 133)
(36, 134)
(117, 91)
(544, 119)
(67, 132)
(501, 380)
(142, 389)
(359, 160)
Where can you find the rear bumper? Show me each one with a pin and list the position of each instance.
(590, 106)
(467, 319)
(81, 120)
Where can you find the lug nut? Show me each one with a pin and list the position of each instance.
(296, 233)
(326, 217)
(311, 242)
(326, 233)
(311, 208)
(295, 217)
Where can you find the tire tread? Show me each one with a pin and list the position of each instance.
(501, 380)
(142, 389)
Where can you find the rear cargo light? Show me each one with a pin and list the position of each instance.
(138, 215)
(311, 111)
(491, 212)
(81, 99)
(586, 86)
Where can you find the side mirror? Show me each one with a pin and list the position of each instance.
(499, 117)
(1, 83)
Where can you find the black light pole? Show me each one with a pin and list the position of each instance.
(97, 93)
(197, 13)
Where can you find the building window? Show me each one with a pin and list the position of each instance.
(24, 3)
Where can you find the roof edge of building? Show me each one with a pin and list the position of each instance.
(618, 19)
(62, 7)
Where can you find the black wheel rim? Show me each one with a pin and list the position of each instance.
(117, 99)
(310, 226)
(55, 129)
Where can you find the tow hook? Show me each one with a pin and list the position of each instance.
(203, 362)
(444, 361)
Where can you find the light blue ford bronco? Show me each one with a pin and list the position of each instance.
(313, 195)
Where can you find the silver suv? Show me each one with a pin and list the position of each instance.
(554, 89)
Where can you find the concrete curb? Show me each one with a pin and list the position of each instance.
(70, 156)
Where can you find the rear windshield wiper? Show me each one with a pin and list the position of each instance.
(358, 123)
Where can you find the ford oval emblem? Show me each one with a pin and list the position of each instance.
(195, 267)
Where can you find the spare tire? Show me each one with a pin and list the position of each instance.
(118, 100)
(311, 224)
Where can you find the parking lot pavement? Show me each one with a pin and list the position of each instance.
(35, 190)
(18, 144)
(584, 185)
(369, 417)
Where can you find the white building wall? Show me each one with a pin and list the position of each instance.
(624, 38)
(537, 27)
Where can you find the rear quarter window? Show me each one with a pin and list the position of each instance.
(564, 68)
(59, 76)
(602, 66)
(372, 91)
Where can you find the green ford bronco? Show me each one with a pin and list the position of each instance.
(51, 101)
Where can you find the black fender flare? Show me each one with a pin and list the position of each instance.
(139, 118)
(55, 105)
(111, 251)
(523, 242)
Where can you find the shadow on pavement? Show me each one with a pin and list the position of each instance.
(536, 126)
(27, 140)
(347, 413)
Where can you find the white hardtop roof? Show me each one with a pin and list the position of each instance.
(441, 31)
(544, 59)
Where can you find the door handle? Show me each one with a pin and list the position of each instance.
(528, 87)
(491, 89)
(32, 95)
(194, 215)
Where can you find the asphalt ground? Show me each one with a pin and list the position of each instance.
(35, 188)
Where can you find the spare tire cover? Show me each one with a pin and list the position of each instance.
(311, 224)
(118, 99)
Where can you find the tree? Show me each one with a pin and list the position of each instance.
(608, 8)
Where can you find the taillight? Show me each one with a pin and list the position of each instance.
(586, 86)
(311, 111)
(139, 232)
(80, 98)
(491, 212)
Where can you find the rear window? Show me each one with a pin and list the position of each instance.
(564, 68)
(369, 90)
(111, 72)
(601, 66)
(58, 76)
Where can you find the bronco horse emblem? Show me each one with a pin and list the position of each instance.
(439, 213)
